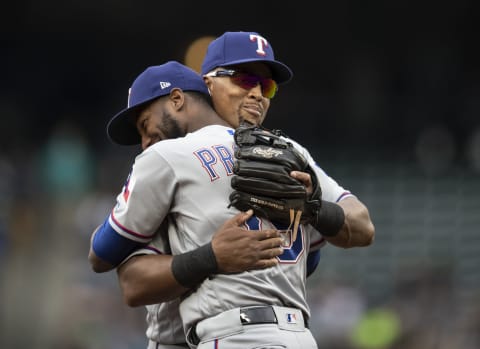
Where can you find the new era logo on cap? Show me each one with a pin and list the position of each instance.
(164, 84)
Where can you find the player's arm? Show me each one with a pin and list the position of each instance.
(98, 265)
(108, 249)
(344, 224)
(357, 229)
(150, 279)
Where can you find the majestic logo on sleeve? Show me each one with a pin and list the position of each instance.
(261, 43)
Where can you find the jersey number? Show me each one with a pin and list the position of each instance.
(292, 250)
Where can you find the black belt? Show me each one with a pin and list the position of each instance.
(262, 314)
(254, 315)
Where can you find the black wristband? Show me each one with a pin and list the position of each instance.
(191, 268)
(330, 219)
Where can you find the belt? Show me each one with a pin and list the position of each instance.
(252, 315)
(255, 315)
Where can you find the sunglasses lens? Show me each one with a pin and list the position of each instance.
(269, 88)
(247, 81)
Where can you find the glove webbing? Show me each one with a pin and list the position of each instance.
(261, 135)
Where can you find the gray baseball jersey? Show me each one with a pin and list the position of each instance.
(187, 181)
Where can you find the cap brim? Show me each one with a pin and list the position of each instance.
(121, 129)
(280, 72)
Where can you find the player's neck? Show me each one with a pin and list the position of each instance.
(207, 118)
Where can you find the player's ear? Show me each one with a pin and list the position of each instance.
(208, 82)
(177, 98)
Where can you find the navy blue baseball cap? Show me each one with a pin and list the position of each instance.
(243, 47)
(154, 82)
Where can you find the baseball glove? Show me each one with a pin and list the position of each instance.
(262, 181)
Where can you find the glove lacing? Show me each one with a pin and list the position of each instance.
(295, 220)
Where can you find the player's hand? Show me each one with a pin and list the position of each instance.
(305, 178)
(238, 249)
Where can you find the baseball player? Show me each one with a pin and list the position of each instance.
(176, 199)
(352, 240)
(164, 323)
(229, 67)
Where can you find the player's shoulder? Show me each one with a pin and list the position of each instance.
(202, 136)
(212, 130)
(296, 145)
(209, 136)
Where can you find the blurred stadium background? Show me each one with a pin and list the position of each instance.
(385, 95)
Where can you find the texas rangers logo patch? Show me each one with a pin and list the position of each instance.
(128, 186)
